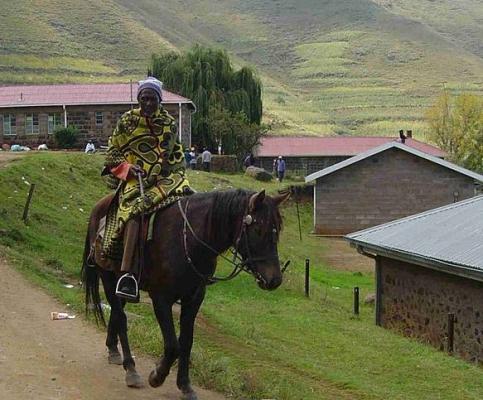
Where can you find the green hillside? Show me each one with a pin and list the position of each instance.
(329, 67)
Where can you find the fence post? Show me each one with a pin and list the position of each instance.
(307, 277)
(356, 301)
(27, 203)
(450, 333)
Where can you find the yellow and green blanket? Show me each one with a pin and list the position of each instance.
(152, 144)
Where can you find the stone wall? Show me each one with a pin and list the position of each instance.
(301, 165)
(415, 301)
(84, 119)
(387, 186)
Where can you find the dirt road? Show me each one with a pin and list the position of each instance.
(60, 360)
(6, 157)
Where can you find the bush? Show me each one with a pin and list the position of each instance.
(65, 138)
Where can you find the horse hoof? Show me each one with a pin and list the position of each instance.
(133, 379)
(114, 357)
(189, 396)
(155, 380)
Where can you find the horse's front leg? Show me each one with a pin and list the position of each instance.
(189, 309)
(118, 327)
(164, 315)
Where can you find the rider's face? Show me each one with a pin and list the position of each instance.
(149, 102)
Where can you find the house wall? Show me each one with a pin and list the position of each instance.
(301, 165)
(387, 186)
(415, 301)
(84, 119)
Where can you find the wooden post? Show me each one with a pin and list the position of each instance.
(450, 333)
(307, 277)
(378, 291)
(356, 301)
(27, 203)
(298, 217)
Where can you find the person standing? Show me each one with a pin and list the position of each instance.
(274, 167)
(206, 160)
(280, 168)
(187, 157)
(193, 158)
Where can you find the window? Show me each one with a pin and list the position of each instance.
(55, 121)
(9, 124)
(31, 124)
(99, 118)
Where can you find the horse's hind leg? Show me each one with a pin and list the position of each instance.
(118, 328)
(189, 309)
(164, 315)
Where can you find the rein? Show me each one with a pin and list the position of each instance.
(238, 263)
(209, 280)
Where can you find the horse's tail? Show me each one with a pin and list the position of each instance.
(90, 282)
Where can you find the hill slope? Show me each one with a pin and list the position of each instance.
(332, 66)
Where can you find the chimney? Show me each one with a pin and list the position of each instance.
(409, 134)
(402, 136)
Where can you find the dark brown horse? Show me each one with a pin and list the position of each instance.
(180, 261)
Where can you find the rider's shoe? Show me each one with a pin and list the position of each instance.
(127, 288)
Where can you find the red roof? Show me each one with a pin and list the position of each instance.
(287, 146)
(101, 93)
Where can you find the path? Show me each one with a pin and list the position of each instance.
(43, 359)
(6, 157)
(339, 255)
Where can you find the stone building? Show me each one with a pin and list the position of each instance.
(306, 155)
(429, 276)
(30, 114)
(383, 184)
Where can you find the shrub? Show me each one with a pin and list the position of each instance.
(65, 138)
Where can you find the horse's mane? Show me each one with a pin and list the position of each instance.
(228, 207)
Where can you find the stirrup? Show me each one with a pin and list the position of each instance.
(127, 296)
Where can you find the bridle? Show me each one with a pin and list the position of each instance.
(239, 263)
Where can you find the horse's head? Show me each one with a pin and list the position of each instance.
(259, 238)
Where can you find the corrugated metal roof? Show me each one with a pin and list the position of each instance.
(384, 147)
(451, 235)
(76, 94)
(289, 146)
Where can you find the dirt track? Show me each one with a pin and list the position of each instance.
(43, 359)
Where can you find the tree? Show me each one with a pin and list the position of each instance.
(233, 132)
(456, 125)
(207, 77)
(66, 138)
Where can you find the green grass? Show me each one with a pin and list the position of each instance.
(248, 343)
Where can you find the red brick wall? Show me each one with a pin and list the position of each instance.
(415, 301)
(382, 188)
(84, 118)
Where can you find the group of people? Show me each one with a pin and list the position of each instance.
(191, 159)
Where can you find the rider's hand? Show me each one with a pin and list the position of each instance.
(135, 170)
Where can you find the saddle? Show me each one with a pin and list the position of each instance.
(111, 260)
(114, 263)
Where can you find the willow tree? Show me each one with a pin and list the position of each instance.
(456, 125)
(207, 77)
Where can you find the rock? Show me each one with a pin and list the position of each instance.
(259, 174)
(370, 298)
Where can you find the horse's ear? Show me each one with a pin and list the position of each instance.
(279, 199)
(256, 200)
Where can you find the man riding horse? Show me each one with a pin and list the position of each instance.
(145, 162)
